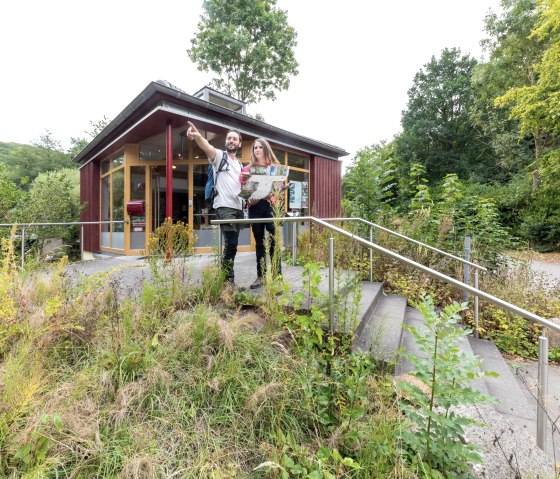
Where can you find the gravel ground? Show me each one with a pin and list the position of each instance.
(508, 451)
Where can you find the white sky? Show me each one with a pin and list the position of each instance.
(68, 62)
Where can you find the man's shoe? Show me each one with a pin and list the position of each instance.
(257, 283)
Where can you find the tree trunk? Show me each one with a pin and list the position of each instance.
(538, 151)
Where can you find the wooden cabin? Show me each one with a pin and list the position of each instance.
(142, 167)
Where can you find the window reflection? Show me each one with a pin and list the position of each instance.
(280, 155)
(118, 161)
(155, 148)
(298, 161)
(104, 167)
(298, 196)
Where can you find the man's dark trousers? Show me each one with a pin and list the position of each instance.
(230, 233)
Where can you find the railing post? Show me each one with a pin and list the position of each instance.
(82, 243)
(219, 240)
(466, 267)
(371, 254)
(542, 390)
(22, 247)
(476, 304)
(331, 282)
(294, 242)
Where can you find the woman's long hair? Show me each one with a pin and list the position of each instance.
(269, 155)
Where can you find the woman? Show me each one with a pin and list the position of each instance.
(261, 155)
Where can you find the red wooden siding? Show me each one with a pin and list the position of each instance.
(89, 196)
(326, 188)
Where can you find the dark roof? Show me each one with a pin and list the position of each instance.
(161, 102)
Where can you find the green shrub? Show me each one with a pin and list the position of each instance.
(443, 374)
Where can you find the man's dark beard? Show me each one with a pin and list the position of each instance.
(231, 149)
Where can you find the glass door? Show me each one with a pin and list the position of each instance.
(138, 194)
(112, 202)
(180, 210)
(205, 232)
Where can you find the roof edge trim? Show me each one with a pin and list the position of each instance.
(156, 109)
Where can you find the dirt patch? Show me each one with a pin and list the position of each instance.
(553, 258)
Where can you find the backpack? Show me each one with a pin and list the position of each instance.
(210, 191)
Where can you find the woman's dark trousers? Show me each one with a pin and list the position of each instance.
(262, 209)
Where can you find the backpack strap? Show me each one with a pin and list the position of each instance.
(221, 166)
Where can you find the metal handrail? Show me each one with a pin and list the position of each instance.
(69, 223)
(543, 341)
(411, 240)
(62, 224)
(499, 302)
(466, 264)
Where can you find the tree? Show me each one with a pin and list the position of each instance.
(98, 126)
(79, 143)
(437, 132)
(9, 195)
(248, 44)
(27, 161)
(513, 54)
(53, 197)
(537, 108)
(52, 155)
(369, 184)
(537, 105)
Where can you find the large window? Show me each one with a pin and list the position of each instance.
(112, 201)
(206, 234)
(154, 148)
(216, 140)
(297, 198)
(138, 193)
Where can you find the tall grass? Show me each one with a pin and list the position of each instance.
(179, 381)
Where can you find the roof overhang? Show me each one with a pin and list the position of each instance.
(160, 104)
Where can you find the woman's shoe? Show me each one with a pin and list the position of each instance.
(257, 283)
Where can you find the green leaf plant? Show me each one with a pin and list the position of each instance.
(441, 381)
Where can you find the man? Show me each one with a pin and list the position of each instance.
(227, 203)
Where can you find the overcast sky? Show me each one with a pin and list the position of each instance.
(68, 62)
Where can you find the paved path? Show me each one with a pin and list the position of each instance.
(131, 271)
(551, 271)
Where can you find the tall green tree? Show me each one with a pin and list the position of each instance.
(9, 195)
(248, 44)
(369, 184)
(513, 54)
(53, 197)
(437, 132)
(537, 105)
(537, 108)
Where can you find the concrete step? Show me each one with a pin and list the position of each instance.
(413, 318)
(478, 384)
(381, 330)
(505, 388)
(371, 294)
(349, 316)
